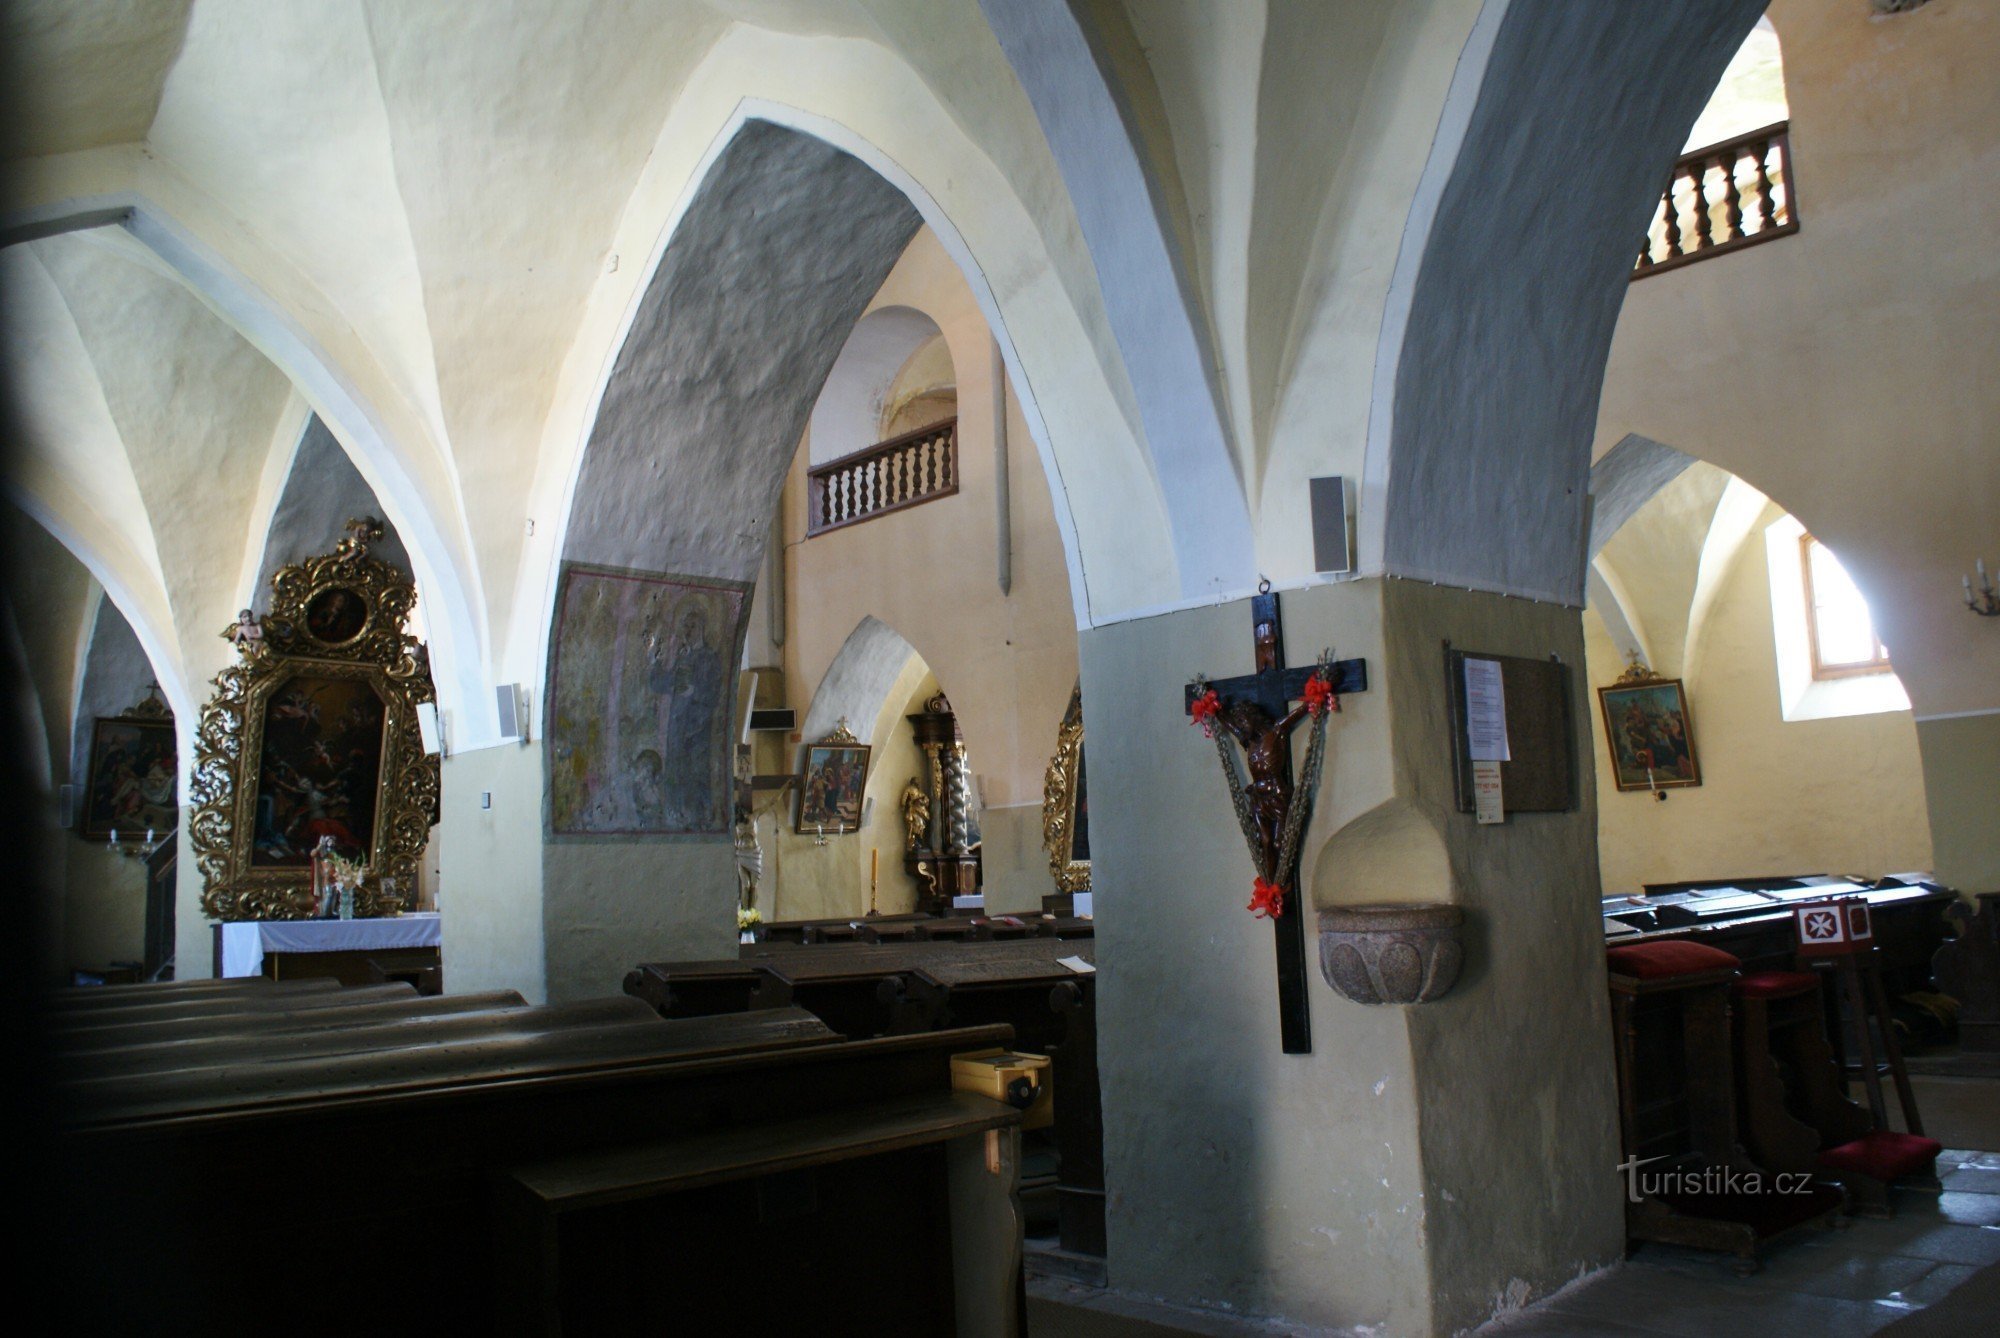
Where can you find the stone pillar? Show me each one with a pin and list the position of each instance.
(1424, 1163)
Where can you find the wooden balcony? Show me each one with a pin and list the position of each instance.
(892, 475)
(1721, 199)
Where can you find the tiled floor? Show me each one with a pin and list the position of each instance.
(1835, 1283)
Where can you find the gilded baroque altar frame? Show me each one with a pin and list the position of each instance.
(333, 640)
(1065, 809)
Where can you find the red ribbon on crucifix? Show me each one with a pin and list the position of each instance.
(1256, 714)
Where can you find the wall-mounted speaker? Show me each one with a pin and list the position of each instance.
(511, 704)
(780, 718)
(1332, 522)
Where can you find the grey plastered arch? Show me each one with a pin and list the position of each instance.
(1625, 479)
(1146, 280)
(772, 263)
(322, 491)
(856, 685)
(1499, 356)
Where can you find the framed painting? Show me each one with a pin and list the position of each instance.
(319, 771)
(642, 681)
(132, 781)
(1066, 804)
(1650, 737)
(833, 785)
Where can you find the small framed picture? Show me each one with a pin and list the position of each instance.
(832, 788)
(1647, 730)
(132, 778)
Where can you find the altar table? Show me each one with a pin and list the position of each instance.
(244, 946)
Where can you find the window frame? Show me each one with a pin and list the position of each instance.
(1821, 671)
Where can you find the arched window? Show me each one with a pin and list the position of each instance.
(1840, 632)
(1830, 660)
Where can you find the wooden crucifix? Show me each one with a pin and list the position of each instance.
(1257, 711)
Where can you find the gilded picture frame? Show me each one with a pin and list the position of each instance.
(1649, 734)
(1066, 804)
(833, 785)
(313, 733)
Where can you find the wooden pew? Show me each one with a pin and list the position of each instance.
(338, 1014)
(496, 1014)
(234, 1005)
(100, 998)
(342, 1190)
(865, 990)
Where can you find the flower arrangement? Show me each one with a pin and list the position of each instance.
(748, 918)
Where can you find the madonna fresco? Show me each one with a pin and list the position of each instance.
(639, 704)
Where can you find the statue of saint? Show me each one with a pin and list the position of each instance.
(247, 634)
(916, 815)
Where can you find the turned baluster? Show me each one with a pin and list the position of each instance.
(1704, 227)
(1767, 203)
(1732, 196)
(1673, 208)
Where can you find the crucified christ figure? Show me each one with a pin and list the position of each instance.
(1267, 753)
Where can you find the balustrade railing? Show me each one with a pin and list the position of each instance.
(918, 466)
(1723, 198)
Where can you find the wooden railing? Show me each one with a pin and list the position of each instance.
(919, 466)
(1723, 198)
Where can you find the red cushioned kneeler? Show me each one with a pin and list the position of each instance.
(1777, 984)
(1884, 1155)
(1661, 961)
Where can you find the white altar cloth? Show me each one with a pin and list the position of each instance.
(244, 942)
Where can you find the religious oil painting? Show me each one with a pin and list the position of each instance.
(336, 616)
(320, 770)
(132, 778)
(639, 704)
(831, 790)
(1646, 727)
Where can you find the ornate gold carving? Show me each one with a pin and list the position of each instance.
(150, 707)
(916, 817)
(1059, 796)
(841, 733)
(1636, 671)
(339, 616)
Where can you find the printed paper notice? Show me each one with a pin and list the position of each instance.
(1486, 803)
(1078, 965)
(1485, 711)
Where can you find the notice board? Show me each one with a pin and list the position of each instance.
(1539, 775)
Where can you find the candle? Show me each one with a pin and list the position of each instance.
(874, 865)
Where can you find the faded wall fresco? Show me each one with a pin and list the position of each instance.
(642, 675)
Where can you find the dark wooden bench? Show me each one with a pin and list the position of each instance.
(276, 1134)
(338, 1013)
(79, 1000)
(244, 1005)
(909, 988)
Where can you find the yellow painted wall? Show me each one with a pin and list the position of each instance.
(1007, 662)
(1844, 795)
